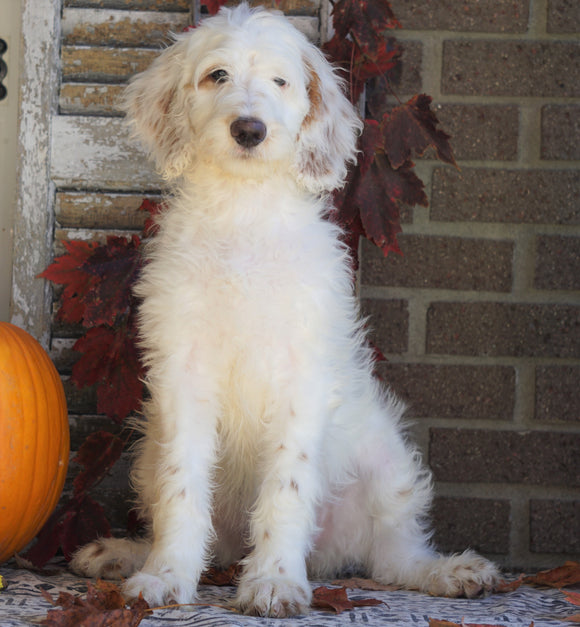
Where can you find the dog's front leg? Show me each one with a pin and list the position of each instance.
(173, 476)
(274, 581)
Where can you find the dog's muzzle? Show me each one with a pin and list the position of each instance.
(248, 132)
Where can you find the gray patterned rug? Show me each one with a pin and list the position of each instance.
(22, 603)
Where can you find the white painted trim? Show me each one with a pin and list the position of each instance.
(97, 153)
(34, 217)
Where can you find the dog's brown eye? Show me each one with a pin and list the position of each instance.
(280, 82)
(219, 76)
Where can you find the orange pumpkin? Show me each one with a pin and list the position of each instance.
(34, 438)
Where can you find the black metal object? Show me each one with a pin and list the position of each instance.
(3, 69)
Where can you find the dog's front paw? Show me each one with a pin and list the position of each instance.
(276, 597)
(165, 588)
(464, 575)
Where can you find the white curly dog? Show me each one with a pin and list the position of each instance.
(266, 437)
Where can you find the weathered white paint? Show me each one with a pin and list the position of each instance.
(89, 152)
(10, 33)
(78, 20)
(33, 221)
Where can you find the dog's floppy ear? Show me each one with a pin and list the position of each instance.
(155, 102)
(328, 137)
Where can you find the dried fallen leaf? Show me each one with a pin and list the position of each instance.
(104, 606)
(215, 577)
(358, 583)
(336, 599)
(574, 598)
(560, 577)
(510, 586)
(434, 622)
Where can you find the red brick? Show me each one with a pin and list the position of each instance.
(511, 68)
(555, 527)
(441, 262)
(563, 16)
(519, 196)
(497, 329)
(561, 131)
(532, 457)
(557, 263)
(557, 397)
(448, 391)
(479, 524)
(389, 322)
(486, 132)
(483, 16)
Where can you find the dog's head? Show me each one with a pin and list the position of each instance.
(246, 92)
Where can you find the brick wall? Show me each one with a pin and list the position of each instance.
(480, 320)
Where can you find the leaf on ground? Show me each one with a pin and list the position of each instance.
(559, 577)
(104, 606)
(434, 622)
(509, 586)
(359, 583)
(336, 600)
(216, 577)
(574, 598)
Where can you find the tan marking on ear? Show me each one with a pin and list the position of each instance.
(315, 166)
(314, 95)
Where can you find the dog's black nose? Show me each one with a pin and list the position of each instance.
(248, 132)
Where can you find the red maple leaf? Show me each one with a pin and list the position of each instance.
(114, 268)
(110, 359)
(67, 270)
(359, 43)
(362, 64)
(98, 454)
(375, 198)
(213, 6)
(364, 20)
(74, 523)
(412, 128)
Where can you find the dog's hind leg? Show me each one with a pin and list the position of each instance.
(110, 558)
(379, 525)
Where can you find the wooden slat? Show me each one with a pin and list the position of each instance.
(90, 99)
(137, 5)
(101, 211)
(103, 65)
(98, 27)
(86, 235)
(305, 7)
(97, 153)
(107, 64)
